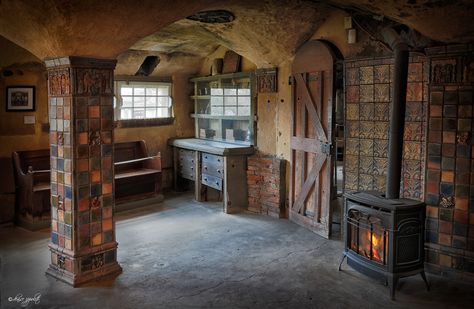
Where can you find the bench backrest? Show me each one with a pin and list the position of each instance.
(126, 151)
(37, 159)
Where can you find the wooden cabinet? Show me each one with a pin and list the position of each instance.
(218, 165)
(224, 109)
(224, 123)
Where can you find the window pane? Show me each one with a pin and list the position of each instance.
(163, 90)
(144, 101)
(243, 101)
(139, 101)
(244, 110)
(139, 91)
(217, 91)
(217, 101)
(126, 113)
(126, 91)
(127, 101)
(244, 91)
(163, 101)
(231, 91)
(163, 112)
(151, 113)
(138, 113)
(217, 110)
(150, 91)
(230, 101)
(150, 101)
(230, 111)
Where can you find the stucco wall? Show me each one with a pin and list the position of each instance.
(14, 135)
(156, 138)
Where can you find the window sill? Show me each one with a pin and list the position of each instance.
(137, 123)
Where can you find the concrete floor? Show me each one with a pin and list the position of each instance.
(183, 254)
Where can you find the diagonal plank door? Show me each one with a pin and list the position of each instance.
(312, 154)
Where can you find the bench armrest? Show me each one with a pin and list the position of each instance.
(40, 171)
(133, 161)
(154, 163)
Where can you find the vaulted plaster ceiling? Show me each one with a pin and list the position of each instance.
(264, 31)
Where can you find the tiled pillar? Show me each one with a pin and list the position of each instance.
(82, 245)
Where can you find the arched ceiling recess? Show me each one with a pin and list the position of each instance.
(103, 29)
(265, 31)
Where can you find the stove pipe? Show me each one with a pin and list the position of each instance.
(397, 112)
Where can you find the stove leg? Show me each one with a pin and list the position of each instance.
(340, 264)
(393, 280)
(424, 279)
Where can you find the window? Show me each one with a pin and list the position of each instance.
(142, 100)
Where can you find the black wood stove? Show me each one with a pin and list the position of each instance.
(384, 237)
(384, 234)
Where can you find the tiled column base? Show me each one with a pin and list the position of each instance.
(83, 245)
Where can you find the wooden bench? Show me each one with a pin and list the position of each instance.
(137, 175)
(32, 182)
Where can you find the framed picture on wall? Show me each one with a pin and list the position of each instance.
(20, 98)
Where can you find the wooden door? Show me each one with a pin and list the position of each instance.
(311, 141)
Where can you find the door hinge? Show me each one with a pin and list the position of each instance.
(291, 80)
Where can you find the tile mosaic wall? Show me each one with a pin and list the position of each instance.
(81, 137)
(450, 165)
(368, 91)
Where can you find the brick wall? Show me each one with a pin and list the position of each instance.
(266, 185)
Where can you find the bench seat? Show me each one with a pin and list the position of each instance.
(133, 173)
(42, 186)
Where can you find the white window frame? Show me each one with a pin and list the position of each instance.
(119, 98)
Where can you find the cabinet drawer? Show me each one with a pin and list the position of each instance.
(185, 156)
(217, 161)
(213, 169)
(186, 167)
(211, 181)
(191, 175)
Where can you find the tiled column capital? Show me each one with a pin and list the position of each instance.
(83, 245)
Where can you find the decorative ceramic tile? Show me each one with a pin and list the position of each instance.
(366, 75)
(366, 147)
(366, 93)
(412, 169)
(381, 130)
(379, 183)
(351, 182)
(352, 76)
(352, 164)
(352, 94)
(366, 165)
(366, 182)
(412, 151)
(381, 93)
(414, 92)
(381, 74)
(380, 166)
(413, 131)
(367, 111)
(381, 148)
(414, 111)
(381, 111)
(366, 129)
(352, 128)
(352, 111)
(415, 72)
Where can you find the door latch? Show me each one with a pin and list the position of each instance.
(326, 148)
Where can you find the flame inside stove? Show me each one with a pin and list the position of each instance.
(370, 244)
